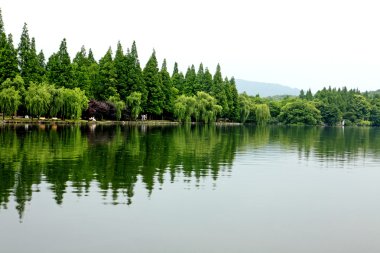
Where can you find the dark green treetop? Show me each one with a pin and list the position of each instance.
(121, 69)
(153, 83)
(219, 92)
(59, 68)
(135, 80)
(167, 88)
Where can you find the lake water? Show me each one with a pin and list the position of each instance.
(189, 189)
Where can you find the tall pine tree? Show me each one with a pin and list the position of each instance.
(207, 81)
(24, 53)
(135, 80)
(120, 63)
(190, 81)
(8, 55)
(153, 83)
(199, 85)
(178, 80)
(107, 77)
(81, 73)
(59, 68)
(218, 91)
(168, 89)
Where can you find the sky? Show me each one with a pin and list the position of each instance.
(299, 43)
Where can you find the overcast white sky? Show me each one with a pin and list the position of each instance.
(299, 43)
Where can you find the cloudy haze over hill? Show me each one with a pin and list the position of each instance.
(265, 89)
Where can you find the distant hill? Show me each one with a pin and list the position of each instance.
(265, 89)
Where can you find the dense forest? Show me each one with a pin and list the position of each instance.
(117, 88)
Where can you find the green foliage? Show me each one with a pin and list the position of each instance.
(218, 91)
(134, 103)
(359, 108)
(206, 108)
(59, 68)
(8, 57)
(38, 99)
(121, 64)
(167, 88)
(300, 113)
(107, 76)
(8, 54)
(17, 83)
(184, 108)
(74, 102)
(330, 113)
(178, 80)
(190, 81)
(262, 114)
(152, 79)
(309, 95)
(135, 82)
(245, 107)
(82, 72)
(119, 105)
(10, 100)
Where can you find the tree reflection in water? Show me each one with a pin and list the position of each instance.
(119, 157)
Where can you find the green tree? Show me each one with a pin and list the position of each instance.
(245, 107)
(75, 101)
(178, 80)
(219, 92)
(184, 108)
(8, 55)
(135, 81)
(107, 76)
(81, 73)
(207, 81)
(262, 114)
(10, 100)
(153, 82)
(309, 95)
(233, 102)
(199, 84)
(302, 94)
(167, 87)
(36, 69)
(330, 113)
(121, 69)
(206, 108)
(59, 68)
(190, 81)
(300, 113)
(38, 99)
(134, 103)
(24, 54)
(358, 109)
(118, 104)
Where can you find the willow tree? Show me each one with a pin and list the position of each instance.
(134, 103)
(262, 114)
(206, 107)
(75, 101)
(38, 99)
(184, 108)
(10, 100)
(245, 107)
(118, 104)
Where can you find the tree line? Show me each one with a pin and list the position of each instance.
(117, 87)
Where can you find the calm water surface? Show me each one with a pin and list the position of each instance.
(189, 189)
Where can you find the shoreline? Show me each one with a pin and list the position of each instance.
(104, 122)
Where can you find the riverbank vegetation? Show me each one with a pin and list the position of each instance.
(117, 87)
